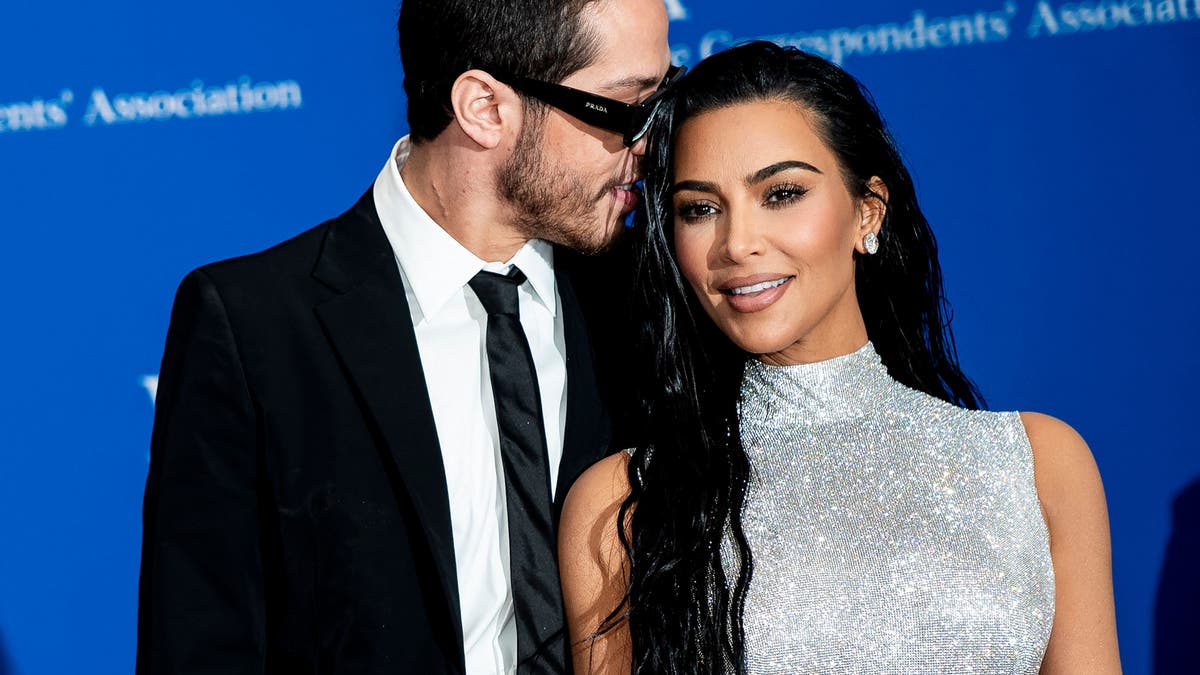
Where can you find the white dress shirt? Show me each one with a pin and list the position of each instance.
(451, 330)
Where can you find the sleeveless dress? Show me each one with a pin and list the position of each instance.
(891, 532)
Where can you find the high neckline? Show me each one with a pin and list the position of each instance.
(843, 387)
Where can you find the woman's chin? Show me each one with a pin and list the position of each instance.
(759, 346)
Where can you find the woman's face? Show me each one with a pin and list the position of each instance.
(766, 231)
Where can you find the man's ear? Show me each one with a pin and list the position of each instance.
(485, 108)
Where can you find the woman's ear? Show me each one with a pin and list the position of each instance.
(485, 108)
(872, 209)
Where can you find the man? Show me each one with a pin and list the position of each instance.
(364, 434)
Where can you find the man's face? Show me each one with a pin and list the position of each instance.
(569, 182)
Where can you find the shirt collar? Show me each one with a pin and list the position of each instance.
(436, 266)
(536, 260)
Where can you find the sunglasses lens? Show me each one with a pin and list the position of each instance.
(639, 124)
(643, 117)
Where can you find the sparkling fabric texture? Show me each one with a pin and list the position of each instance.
(891, 531)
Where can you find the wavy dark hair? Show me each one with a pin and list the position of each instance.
(690, 565)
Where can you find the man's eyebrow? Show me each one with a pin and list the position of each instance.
(631, 83)
(766, 172)
(697, 185)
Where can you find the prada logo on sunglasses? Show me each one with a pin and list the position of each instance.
(630, 120)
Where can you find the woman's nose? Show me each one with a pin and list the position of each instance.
(742, 239)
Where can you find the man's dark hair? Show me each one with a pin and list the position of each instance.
(441, 39)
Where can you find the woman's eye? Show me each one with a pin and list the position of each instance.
(695, 211)
(784, 194)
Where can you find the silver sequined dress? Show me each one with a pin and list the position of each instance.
(891, 532)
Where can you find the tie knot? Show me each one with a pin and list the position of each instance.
(498, 292)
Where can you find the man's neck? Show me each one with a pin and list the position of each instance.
(449, 183)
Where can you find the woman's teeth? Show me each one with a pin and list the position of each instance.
(746, 290)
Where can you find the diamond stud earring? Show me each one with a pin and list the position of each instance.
(871, 243)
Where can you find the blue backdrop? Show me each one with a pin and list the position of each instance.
(1054, 145)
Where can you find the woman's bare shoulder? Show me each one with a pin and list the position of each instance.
(1064, 468)
(604, 483)
(590, 510)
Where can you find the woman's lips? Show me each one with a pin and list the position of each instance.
(754, 294)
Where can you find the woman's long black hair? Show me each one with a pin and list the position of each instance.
(688, 481)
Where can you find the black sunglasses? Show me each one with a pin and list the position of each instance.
(632, 121)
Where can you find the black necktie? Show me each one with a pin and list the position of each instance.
(537, 597)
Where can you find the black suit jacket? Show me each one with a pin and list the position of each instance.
(296, 516)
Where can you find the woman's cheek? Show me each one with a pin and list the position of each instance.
(692, 247)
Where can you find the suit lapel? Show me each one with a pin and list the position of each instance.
(587, 434)
(370, 328)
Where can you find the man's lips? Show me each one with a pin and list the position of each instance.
(624, 183)
(627, 194)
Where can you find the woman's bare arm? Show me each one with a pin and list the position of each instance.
(594, 568)
(1084, 637)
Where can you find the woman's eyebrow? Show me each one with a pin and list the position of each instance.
(754, 178)
(697, 185)
(766, 172)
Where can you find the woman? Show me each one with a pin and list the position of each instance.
(819, 492)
